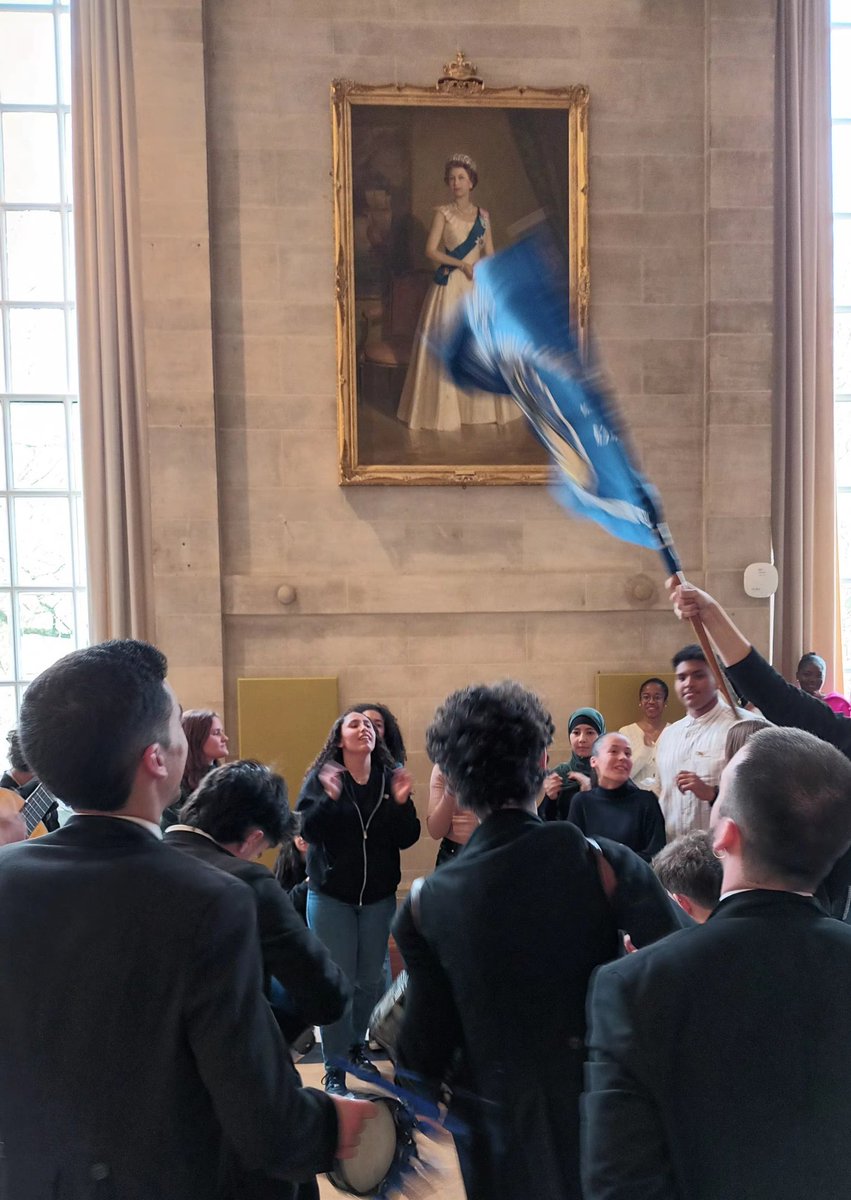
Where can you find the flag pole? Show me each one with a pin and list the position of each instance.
(709, 650)
(673, 567)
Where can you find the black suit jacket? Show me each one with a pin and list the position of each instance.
(133, 1047)
(720, 1059)
(509, 932)
(291, 953)
(785, 704)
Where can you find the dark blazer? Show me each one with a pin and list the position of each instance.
(315, 985)
(135, 1046)
(719, 1060)
(509, 933)
(784, 704)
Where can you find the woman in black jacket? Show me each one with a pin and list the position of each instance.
(357, 814)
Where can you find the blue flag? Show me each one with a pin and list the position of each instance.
(513, 336)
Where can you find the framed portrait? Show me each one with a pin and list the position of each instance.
(425, 178)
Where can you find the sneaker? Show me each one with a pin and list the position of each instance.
(334, 1082)
(359, 1058)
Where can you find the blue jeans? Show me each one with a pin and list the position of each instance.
(356, 938)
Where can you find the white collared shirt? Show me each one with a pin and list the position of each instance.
(691, 744)
(191, 829)
(741, 891)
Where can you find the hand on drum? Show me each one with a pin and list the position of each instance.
(352, 1115)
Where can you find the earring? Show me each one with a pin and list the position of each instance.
(720, 853)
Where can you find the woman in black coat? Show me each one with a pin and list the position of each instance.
(356, 814)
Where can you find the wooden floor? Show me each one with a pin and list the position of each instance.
(445, 1178)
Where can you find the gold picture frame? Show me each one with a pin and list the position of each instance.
(390, 144)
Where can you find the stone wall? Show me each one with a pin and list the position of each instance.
(406, 593)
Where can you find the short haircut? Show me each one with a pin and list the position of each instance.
(790, 795)
(232, 800)
(655, 679)
(688, 866)
(740, 734)
(16, 756)
(87, 719)
(596, 749)
(489, 741)
(690, 653)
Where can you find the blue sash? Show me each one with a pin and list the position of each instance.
(476, 233)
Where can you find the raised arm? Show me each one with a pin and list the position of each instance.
(441, 805)
(690, 602)
(755, 679)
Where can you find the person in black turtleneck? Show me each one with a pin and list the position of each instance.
(616, 808)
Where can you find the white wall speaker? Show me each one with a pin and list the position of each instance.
(761, 580)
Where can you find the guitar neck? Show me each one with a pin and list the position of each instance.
(36, 805)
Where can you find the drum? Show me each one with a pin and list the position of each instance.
(386, 1147)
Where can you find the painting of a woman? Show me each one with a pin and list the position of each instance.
(459, 237)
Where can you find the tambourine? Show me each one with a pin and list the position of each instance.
(386, 1148)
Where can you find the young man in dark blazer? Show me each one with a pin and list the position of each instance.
(238, 811)
(719, 1058)
(500, 947)
(134, 1047)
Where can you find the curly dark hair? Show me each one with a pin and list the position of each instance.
(489, 741)
(393, 739)
(332, 750)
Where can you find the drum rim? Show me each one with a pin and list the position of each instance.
(394, 1107)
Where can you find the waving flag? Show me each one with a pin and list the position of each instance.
(514, 337)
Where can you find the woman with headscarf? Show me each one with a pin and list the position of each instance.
(567, 778)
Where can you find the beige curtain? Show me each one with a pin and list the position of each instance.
(109, 307)
(804, 492)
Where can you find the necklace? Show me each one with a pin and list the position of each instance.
(466, 213)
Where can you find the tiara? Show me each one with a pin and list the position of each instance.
(463, 159)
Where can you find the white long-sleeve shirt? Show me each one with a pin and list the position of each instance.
(691, 744)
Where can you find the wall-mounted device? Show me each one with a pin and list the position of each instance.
(761, 580)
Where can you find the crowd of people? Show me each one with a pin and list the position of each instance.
(626, 974)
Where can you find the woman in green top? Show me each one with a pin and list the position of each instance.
(568, 778)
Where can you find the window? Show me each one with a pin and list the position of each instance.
(42, 564)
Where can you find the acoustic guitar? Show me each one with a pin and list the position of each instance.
(32, 809)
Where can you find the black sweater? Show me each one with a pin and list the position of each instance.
(354, 842)
(624, 814)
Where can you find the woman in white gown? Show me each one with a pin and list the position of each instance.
(460, 235)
